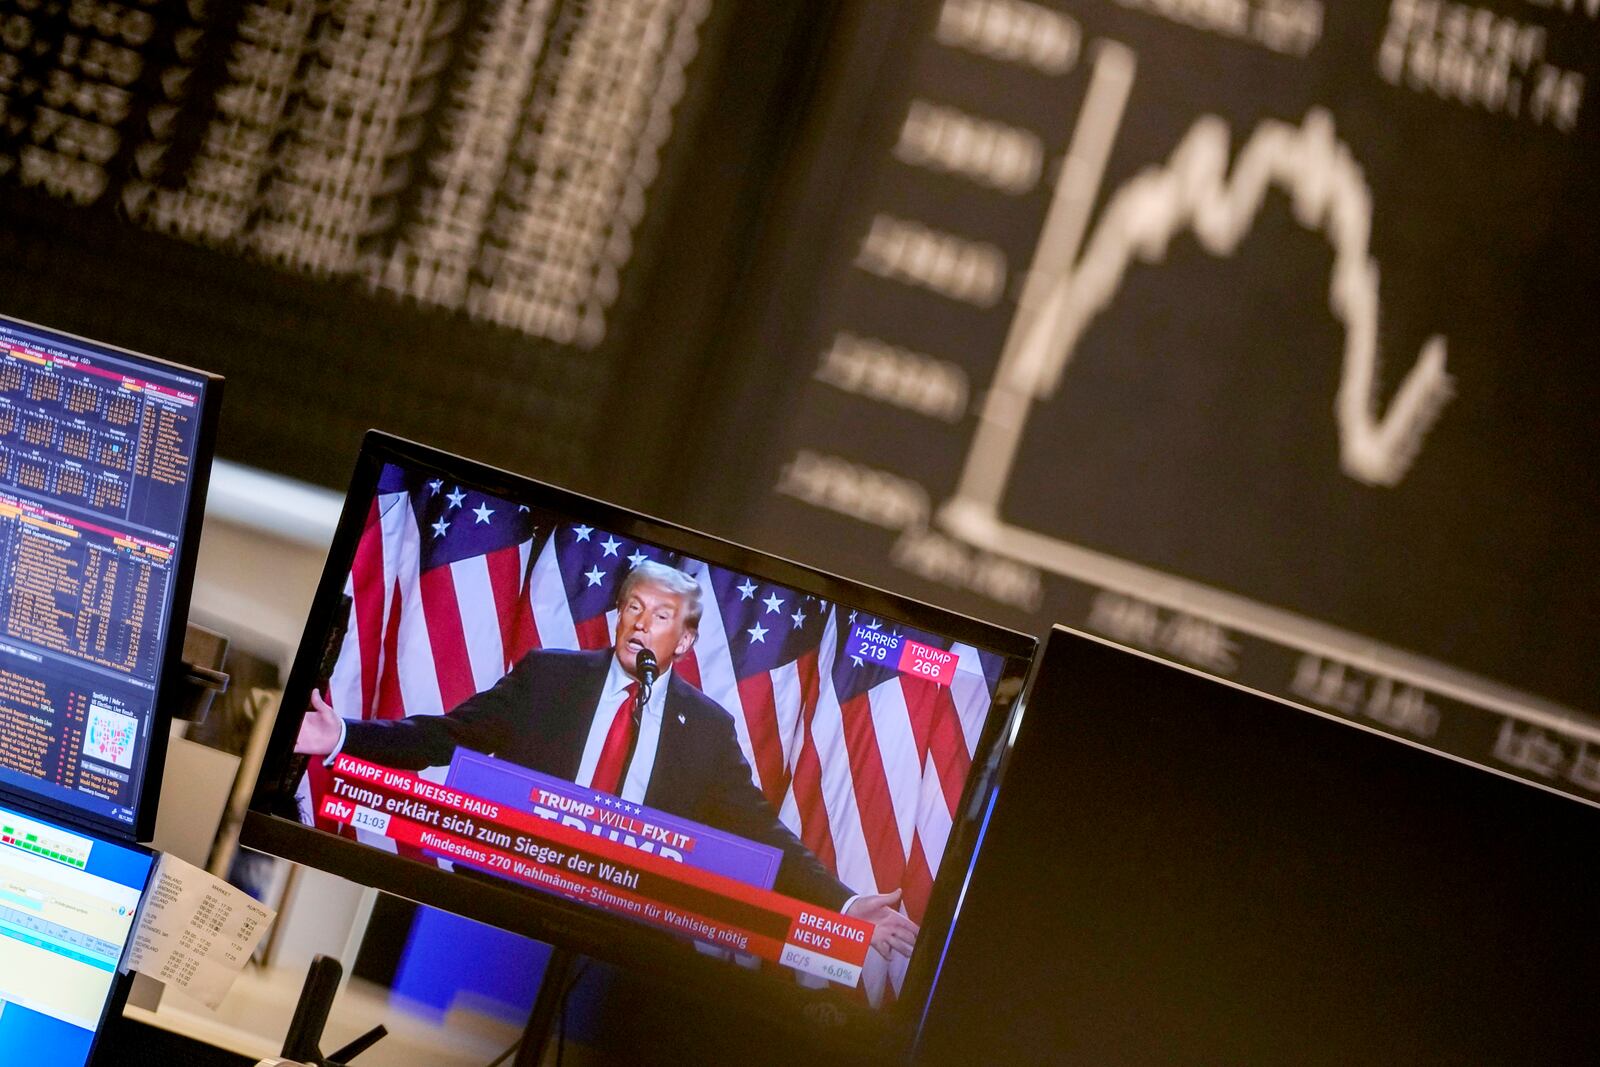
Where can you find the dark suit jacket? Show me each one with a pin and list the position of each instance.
(538, 716)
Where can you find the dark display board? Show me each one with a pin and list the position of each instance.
(442, 217)
(1255, 333)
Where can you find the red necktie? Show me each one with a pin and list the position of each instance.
(608, 772)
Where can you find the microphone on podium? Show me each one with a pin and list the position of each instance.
(646, 670)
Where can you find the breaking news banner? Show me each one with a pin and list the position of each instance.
(545, 850)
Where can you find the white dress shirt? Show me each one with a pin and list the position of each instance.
(644, 754)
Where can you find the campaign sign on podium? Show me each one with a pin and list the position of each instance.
(614, 819)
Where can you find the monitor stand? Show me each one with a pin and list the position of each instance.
(547, 1006)
(303, 1042)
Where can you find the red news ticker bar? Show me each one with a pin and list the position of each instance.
(372, 775)
(797, 915)
(410, 833)
(492, 839)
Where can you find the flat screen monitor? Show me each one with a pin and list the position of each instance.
(104, 459)
(787, 809)
(67, 905)
(1179, 870)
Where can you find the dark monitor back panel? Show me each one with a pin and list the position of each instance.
(1178, 871)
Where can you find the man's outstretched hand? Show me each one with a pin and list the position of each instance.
(319, 729)
(891, 931)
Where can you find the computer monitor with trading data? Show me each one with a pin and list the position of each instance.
(640, 742)
(104, 458)
(67, 906)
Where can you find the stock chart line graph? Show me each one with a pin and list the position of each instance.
(1195, 192)
(1206, 190)
(1258, 352)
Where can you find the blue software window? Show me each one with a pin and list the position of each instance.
(100, 451)
(67, 906)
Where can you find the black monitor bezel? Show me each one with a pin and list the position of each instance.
(170, 678)
(122, 981)
(270, 824)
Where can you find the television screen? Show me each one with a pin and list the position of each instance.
(67, 904)
(104, 458)
(684, 751)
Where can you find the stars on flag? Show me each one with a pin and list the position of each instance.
(460, 521)
(595, 576)
(758, 634)
(610, 544)
(582, 532)
(799, 618)
(637, 558)
(747, 590)
(773, 603)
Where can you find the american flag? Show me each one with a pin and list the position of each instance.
(439, 598)
(449, 587)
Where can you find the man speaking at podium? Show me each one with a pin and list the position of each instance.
(570, 714)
